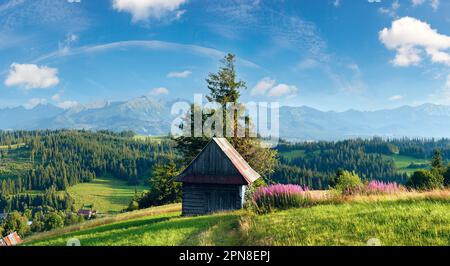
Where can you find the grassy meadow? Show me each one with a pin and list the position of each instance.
(405, 219)
(109, 195)
(14, 161)
(403, 163)
(397, 223)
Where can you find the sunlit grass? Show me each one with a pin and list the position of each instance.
(395, 223)
(109, 195)
(167, 229)
(405, 218)
(402, 162)
(170, 210)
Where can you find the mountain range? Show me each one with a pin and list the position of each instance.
(149, 116)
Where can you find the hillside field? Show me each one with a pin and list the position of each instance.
(109, 195)
(14, 161)
(403, 163)
(398, 221)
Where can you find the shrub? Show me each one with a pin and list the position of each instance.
(163, 187)
(348, 183)
(266, 199)
(52, 221)
(426, 180)
(250, 191)
(447, 177)
(15, 222)
(133, 206)
(375, 187)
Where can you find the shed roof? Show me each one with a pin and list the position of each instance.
(219, 163)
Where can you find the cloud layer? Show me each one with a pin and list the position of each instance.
(142, 10)
(30, 76)
(433, 3)
(411, 38)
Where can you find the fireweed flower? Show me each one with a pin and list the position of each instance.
(379, 187)
(280, 197)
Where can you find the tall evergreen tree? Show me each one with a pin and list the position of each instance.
(225, 88)
(437, 162)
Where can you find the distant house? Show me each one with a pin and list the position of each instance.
(87, 211)
(216, 179)
(88, 214)
(10, 240)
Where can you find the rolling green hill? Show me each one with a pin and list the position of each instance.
(108, 195)
(14, 161)
(405, 221)
(408, 164)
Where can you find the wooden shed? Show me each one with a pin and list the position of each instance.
(216, 179)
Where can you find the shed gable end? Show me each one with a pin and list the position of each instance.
(212, 161)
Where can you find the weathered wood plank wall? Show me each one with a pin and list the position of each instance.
(207, 198)
(212, 162)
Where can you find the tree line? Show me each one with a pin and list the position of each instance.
(318, 162)
(64, 158)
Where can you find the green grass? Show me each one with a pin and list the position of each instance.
(14, 161)
(14, 169)
(168, 229)
(402, 163)
(155, 139)
(12, 146)
(418, 221)
(108, 195)
(395, 223)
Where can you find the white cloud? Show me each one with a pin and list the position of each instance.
(145, 44)
(283, 90)
(411, 38)
(182, 74)
(269, 87)
(433, 3)
(67, 104)
(70, 38)
(74, 1)
(30, 76)
(392, 10)
(263, 86)
(396, 97)
(34, 102)
(159, 91)
(374, 1)
(337, 3)
(308, 64)
(65, 46)
(56, 97)
(417, 2)
(142, 10)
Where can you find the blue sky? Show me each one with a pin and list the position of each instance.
(329, 54)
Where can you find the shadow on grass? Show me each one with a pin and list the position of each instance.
(163, 231)
(111, 227)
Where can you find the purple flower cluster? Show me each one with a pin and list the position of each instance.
(379, 187)
(279, 191)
